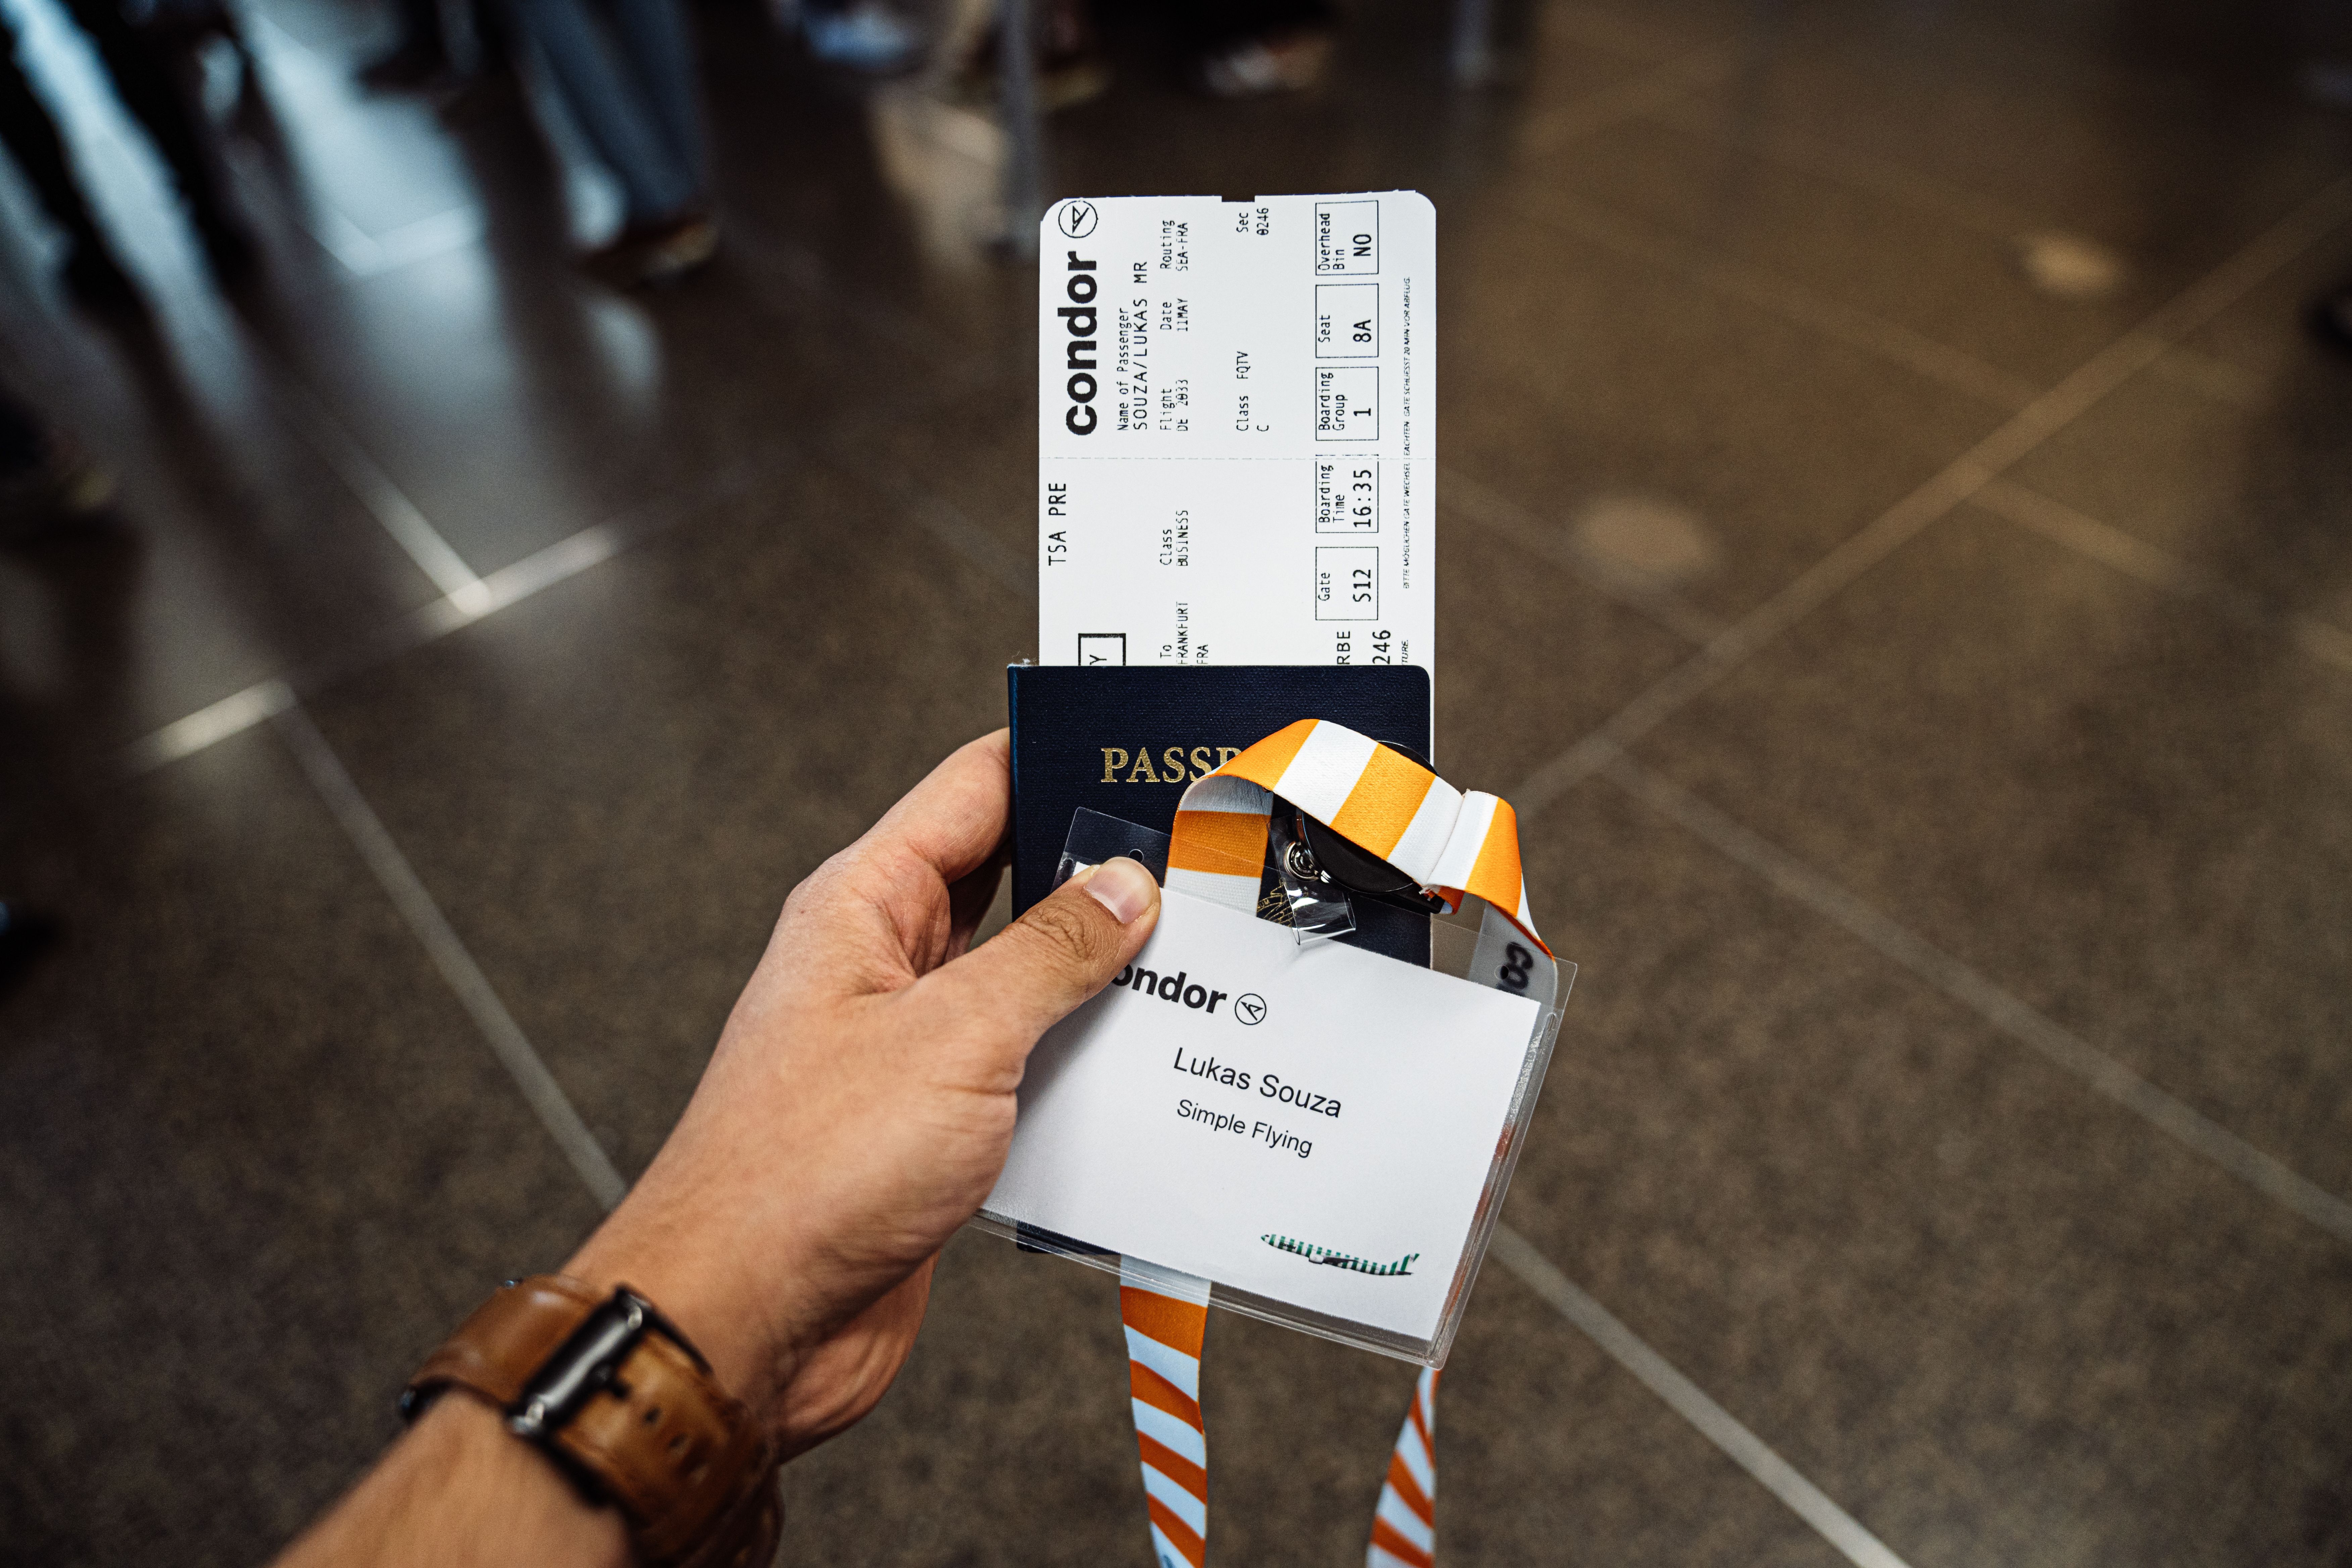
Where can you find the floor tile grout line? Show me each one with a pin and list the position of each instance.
(2019, 1020)
(1857, 329)
(393, 509)
(1686, 1399)
(466, 597)
(1484, 507)
(394, 512)
(399, 880)
(946, 523)
(1884, 177)
(1957, 482)
(511, 583)
(801, 271)
(301, 407)
(360, 254)
(320, 218)
(1629, 100)
(1659, 95)
(2214, 378)
(2302, 226)
(1860, 171)
(2110, 546)
(508, 585)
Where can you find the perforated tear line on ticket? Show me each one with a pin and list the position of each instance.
(1236, 457)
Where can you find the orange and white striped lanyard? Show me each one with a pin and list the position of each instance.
(1454, 844)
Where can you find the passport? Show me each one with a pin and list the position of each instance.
(1127, 741)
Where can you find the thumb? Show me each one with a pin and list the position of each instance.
(1067, 947)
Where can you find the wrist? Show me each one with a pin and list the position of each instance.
(465, 1451)
(614, 1396)
(711, 1290)
(489, 1501)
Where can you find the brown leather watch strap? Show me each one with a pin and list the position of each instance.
(624, 1403)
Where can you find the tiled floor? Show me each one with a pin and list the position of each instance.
(1929, 696)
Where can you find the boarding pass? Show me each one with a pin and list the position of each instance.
(1236, 421)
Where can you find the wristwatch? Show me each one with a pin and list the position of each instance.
(627, 1407)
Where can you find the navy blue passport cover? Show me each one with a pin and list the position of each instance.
(1125, 740)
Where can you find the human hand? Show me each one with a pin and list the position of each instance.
(860, 1102)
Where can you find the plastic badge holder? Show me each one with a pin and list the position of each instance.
(1319, 908)
(1460, 946)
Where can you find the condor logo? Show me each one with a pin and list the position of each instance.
(1172, 988)
(1079, 354)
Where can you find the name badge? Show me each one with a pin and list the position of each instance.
(1310, 1124)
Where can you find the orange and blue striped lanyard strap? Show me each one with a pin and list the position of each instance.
(1457, 845)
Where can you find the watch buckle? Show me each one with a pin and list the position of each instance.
(587, 1365)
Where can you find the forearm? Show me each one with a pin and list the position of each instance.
(457, 1490)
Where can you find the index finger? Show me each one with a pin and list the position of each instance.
(953, 821)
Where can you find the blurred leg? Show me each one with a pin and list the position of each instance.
(492, 49)
(143, 80)
(609, 107)
(23, 935)
(46, 480)
(660, 52)
(2331, 317)
(421, 52)
(31, 136)
(24, 439)
(32, 140)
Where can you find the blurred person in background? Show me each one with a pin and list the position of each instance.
(25, 935)
(2331, 317)
(145, 80)
(89, 270)
(1072, 67)
(625, 71)
(48, 482)
(2325, 74)
(422, 57)
(869, 36)
(419, 53)
(1247, 48)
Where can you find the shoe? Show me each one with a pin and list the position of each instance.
(1072, 67)
(404, 69)
(96, 281)
(869, 37)
(65, 487)
(25, 935)
(1067, 83)
(661, 252)
(1253, 68)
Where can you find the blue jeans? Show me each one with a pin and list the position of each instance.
(631, 86)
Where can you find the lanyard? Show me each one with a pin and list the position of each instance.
(1452, 845)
